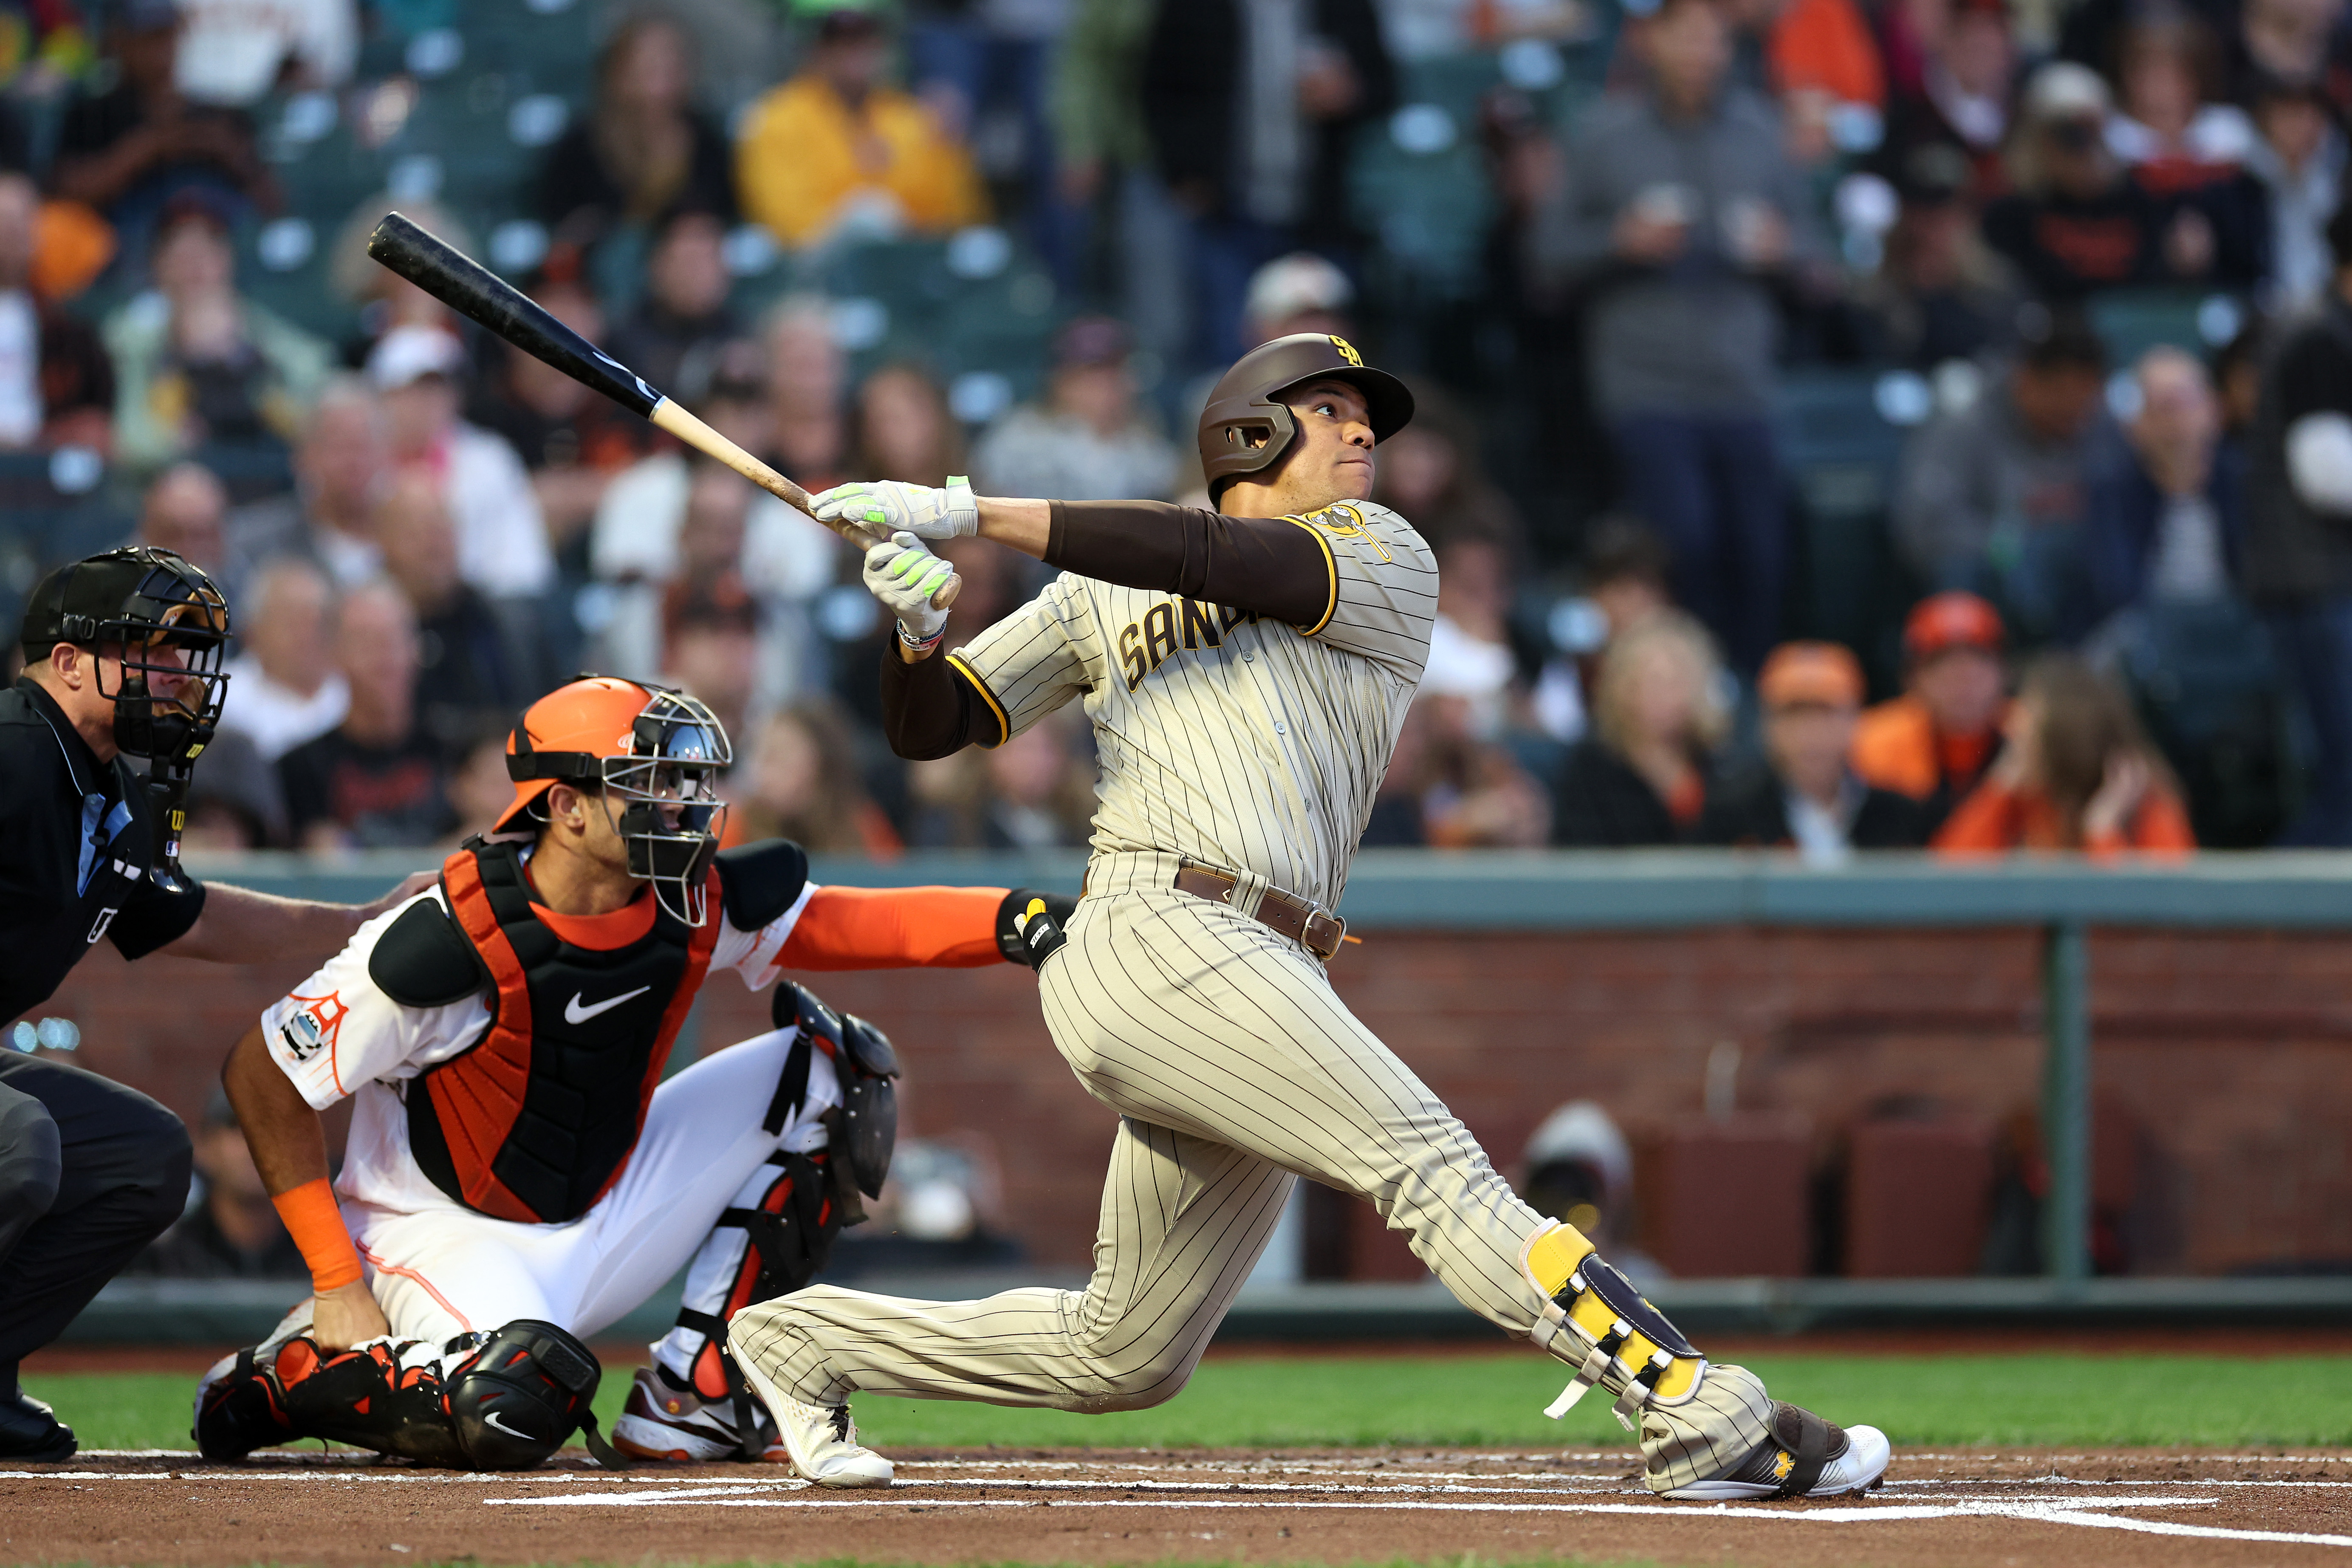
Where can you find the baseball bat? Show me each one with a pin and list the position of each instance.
(474, 291)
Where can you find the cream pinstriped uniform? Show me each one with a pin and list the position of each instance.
(1255, 748)
(1234, 742)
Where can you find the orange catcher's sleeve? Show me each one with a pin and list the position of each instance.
(894, 928)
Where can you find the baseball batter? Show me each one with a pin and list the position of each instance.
(1246, 671)
(518, 1175)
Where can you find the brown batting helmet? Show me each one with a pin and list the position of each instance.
(1245, 429)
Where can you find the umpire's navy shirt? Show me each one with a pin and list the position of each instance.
(75, 847)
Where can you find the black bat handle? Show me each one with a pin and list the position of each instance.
(472, 291)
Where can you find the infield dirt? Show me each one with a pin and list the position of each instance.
(1121, 1507)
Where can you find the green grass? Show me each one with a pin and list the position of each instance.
(2006, 1400)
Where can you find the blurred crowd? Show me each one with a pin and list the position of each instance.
(2105, 599)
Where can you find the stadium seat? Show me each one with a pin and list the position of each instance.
(911, 277)
(2132, 322)
(2206, 682)
(269, 273)
(1840, 449)
(249, 470)
(1919, 1196)
(43, 525)
(1419, 180)
(1683, 1177)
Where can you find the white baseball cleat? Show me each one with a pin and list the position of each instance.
(663, 1421)
(821, 1439)
(1847, 1459)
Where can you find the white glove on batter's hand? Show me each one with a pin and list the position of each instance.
(875, 510)
(902, 573)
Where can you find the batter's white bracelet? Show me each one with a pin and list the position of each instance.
(920, 645)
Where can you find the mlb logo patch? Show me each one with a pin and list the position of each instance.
(315, 1027)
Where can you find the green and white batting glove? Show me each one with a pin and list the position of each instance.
(875, 509)
(902, 573)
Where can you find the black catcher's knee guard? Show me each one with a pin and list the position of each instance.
(506, 1401)
(515, 1399)
(864, 1132)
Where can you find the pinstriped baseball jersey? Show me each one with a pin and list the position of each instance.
(1228, 739)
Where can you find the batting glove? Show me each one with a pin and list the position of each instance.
(878, 509)
(902, 573)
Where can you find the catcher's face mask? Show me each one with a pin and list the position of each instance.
(670, 816)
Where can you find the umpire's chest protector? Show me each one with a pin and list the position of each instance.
(536, 1119)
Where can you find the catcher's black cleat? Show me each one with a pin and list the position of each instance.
(31, 1434)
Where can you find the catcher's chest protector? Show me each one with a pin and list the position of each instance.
(536, 1119)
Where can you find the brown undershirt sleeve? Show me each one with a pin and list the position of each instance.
(931, 709)
(1267, 567)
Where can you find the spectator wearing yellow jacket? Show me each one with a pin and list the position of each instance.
(833, 148)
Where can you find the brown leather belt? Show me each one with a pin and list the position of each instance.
(1301, 921)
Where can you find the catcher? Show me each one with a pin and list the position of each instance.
(518, 1175)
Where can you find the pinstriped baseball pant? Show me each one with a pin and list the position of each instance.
(1233, 1065)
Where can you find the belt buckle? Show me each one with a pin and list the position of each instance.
(1339, 937)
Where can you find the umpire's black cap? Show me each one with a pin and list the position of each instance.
(135, 594)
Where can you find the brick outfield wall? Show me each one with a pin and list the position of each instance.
(2223, 1066)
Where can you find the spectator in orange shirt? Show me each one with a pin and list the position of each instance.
(1823, 61)
(1825, 47)
(835, 151)
(2077, 774)
(1936, 741)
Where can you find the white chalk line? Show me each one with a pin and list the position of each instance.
(1653, 1509)
(698, 1488)
(2077, 1512)
(1276, 1459)
(2101, 1481)
(1232, 1467)
(2204, 1531)
(683, 1492)
(1381, 1480)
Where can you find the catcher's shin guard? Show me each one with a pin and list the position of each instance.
(780, 1231)
(772, 1241)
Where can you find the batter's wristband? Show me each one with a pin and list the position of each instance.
(316, 1223)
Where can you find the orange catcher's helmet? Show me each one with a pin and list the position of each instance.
(657, 750)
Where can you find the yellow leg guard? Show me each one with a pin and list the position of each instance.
(1583, 1326)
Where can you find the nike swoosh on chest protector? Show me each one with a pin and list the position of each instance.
(573, 1013)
